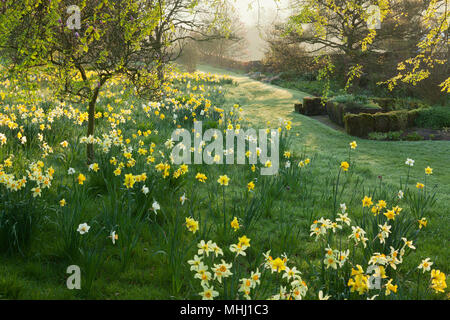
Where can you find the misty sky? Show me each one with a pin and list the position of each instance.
(261, 13)
(267, 10)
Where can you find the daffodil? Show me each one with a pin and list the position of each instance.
(235, 224)
(201, 177)
(208, 293)
(81, 178)
(205, 247)
(425, 265)
(345, 165)
(83, 228)
(223, 180)
(113, 237)
(438, 281)
(129, 181)
(94, 167)
(367, 201)
(191, 225)
(222, 270)
(390, 287)
(409, 162)
(155, 206)
(422, 222)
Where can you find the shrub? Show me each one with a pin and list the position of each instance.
(414, 137)
(362, 124)
(434, 118)
(336, 112)
(387, 104)
(392, 104)
(409, 104)
(394, 135)
(377, 136)
(382, 122)
(312, 106)
(298, 107)
(343, 104)
(359, 125)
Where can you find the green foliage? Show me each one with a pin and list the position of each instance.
(379, 136)
(19, 217)
(355, 101)
(362, 124)
(313, 106)
(435, 118)
(414, 137)
(391, 135)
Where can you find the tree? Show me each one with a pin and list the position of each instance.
(224, 41)
(184, 21)
(358, 27)
(433, 48)
(285, 55)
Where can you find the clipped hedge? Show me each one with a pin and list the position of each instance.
(360, 125)
(336, 111)
(312, 106)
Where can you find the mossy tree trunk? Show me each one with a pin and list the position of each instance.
(91, 121)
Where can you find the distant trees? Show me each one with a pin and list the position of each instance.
(230, 44)
(182, 21)
(286, 54)
(418, 30)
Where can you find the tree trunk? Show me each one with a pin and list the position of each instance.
(91, 124)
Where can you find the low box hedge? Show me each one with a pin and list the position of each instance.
(312, 106)
(336, 111)
(362, 124)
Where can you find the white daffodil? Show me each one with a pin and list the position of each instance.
(155, 206)
(322, 297)
(83, 228)
(425, 265)
(114, 237)
(183, 198)
(344, 218)
(409, 162)
(208, 293)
